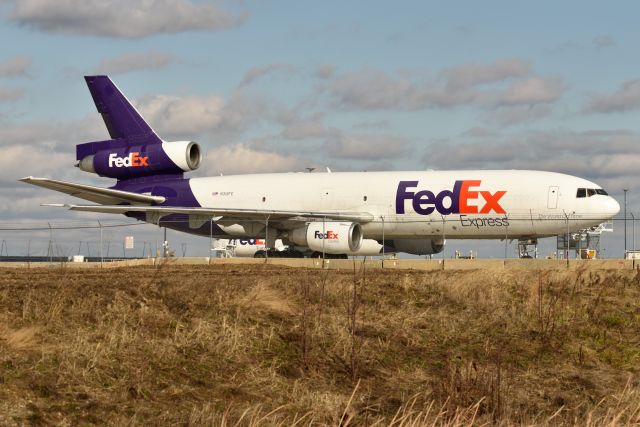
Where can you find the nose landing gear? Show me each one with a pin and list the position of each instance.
(524, 248)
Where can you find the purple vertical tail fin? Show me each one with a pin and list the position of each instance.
(125, 125)
(134, 150)
(120, 117)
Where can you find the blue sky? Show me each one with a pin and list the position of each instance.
(360, 85)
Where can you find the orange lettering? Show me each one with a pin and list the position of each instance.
(465, 195)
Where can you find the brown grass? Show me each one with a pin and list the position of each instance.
(265, 345)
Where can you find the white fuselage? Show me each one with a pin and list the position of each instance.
(488, 204)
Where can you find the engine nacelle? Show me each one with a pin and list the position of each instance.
(123, 162)
(330, 237)
(418, 246)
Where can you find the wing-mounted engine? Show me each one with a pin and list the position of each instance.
(330, 237)
(418, 246)
(112, 160)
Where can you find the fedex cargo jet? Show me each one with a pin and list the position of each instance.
(335, 213)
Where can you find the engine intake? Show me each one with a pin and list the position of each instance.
(330, 237)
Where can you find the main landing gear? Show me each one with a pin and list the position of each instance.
(296, 254)
(273, 253)
(329, 256)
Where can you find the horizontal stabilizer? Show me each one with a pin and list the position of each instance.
(107, 196)
(247, 214)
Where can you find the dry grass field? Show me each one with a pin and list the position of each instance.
(265, 345)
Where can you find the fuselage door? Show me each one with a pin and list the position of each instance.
(552, 200)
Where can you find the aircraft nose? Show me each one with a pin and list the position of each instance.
(611, 206)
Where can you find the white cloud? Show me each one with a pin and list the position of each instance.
(188, 116)
(15, 67)
(325, 71)
(16, 161)
(120, 18)
(305, 129)
(297, 128)
(464, 85)
(10, 94)
(256, 72)
(366, 147)
(467, 75)
(604, 41)
(627, 98)
(515, 114)
(531, 91)
(371, 89)
(238, 159)
(607, 157)
(479, 132)
(134, 62)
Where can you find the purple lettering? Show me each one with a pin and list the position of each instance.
(402, 194)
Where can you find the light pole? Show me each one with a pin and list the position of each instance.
(625, 220)
(633, 232)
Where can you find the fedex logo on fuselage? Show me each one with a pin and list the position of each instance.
(465, 198)
(133, 160)
(329, 235)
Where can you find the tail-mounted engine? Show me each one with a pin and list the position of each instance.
(122, 161)
(329, 237)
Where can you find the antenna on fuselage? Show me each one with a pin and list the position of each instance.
(310, 169)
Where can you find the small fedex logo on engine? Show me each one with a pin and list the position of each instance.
(463, 199)
(133, 160)
(252, 242)
(329, 235)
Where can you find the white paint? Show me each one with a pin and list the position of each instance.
(526, 201)
(178, 152)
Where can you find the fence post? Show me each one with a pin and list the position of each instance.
(210, 239)
(506, 239)
(444, 236)
(266, 240)
(101, 256)
(383, 243)
(50, 249)
(568, 238)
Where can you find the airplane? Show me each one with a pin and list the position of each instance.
(329, 213)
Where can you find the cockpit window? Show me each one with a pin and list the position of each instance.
(588, 192)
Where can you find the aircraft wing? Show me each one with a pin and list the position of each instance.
(100, 195)
(240, 214)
